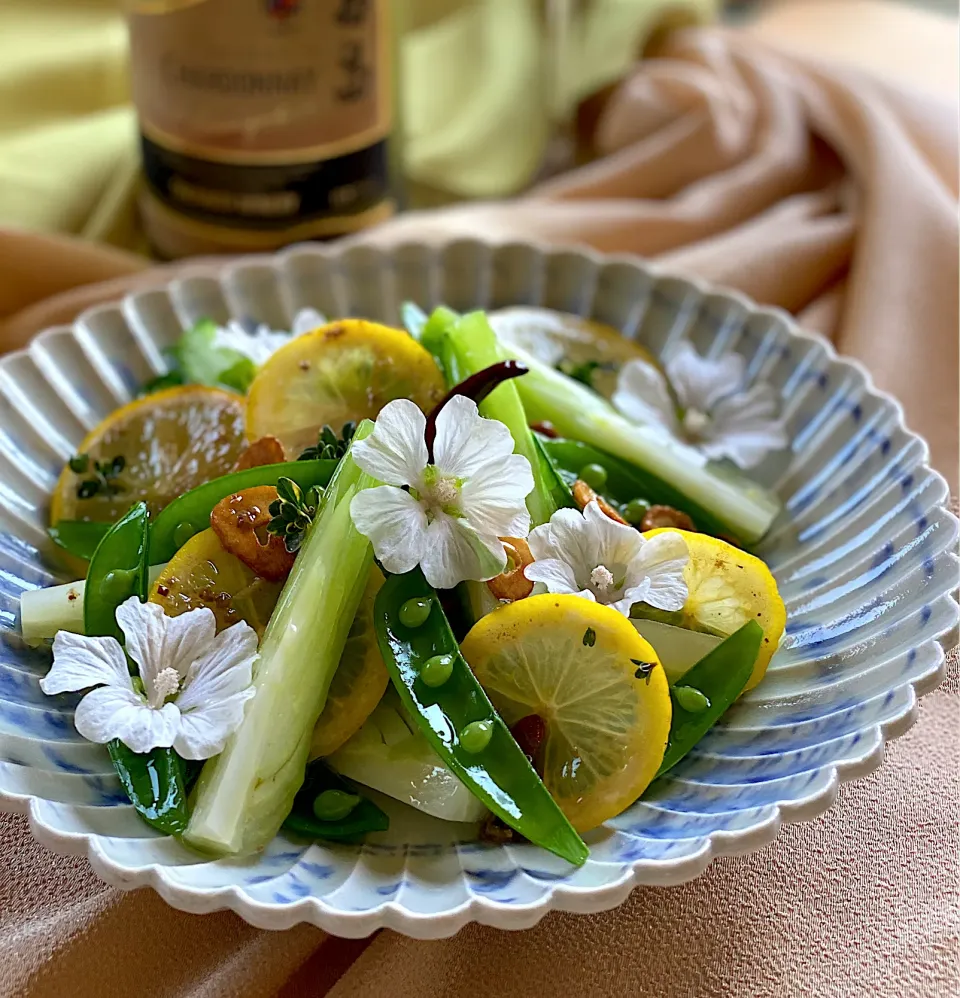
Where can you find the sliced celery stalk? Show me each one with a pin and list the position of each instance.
(678, 648)
(245, 793)
(43, 612)
(745, 507)
(389, 754)
(466, 344)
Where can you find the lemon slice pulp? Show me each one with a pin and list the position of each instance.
(726, 587)
(343, 371)
(168, 443)
(597, 685)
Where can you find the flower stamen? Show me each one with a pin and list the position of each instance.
(601, 578)
(165, 685)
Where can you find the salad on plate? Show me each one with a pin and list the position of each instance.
(493, 566)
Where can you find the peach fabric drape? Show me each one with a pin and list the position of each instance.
(816, 188)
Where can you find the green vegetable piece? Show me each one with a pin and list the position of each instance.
(475, 737)
(156, 785)
(503, 778)
(154, 781)
(595, 475)
(626, 481)
(690, 699)
(200, 361)
(464, 345)
(190, 514)
(334, 805)
(118, 570)
(79, 537)
(436, 670)
(743, 507)
(635, 511)
(414, 318)
(414, 612)
(320, 782)
(719, 678)
(561, 493)
(244, 795)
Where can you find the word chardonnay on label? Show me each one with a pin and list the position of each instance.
(262, 122)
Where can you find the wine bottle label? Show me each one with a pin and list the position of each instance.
(265, 115)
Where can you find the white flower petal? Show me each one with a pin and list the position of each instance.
(454, 552)
(556, 575)
(699, 382)
(306, 320)
(157, 642)
(395, 453)
(224, 670)
(615, 543)
(108, 712)
(466, 442)
(655, 575)
(80, 662)
(643, 396)
(395, 525)
(203, 732)
(745, 428)
(493, 498)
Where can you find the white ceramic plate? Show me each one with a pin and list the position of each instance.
(863, 554)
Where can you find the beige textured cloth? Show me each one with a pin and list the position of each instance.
(815, 188)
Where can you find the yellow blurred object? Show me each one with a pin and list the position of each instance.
(69, 157)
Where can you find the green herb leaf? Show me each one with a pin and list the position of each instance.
(293, 512)
(79, 463)
(329, 446)
(589, 637)
(644, 669)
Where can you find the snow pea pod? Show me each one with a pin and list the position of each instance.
(626, 481)
(154, 781)
(190, 513)
(459, 721)
(705, 691)
(78, 537)
(364, 817)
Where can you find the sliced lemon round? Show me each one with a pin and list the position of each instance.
(204, 574)
(726, 587)
(570, 342)
(358, 684)
(340, 372)
(597, 685)
(153, 449)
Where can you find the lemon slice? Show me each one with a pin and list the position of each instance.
(560, 338)
(726, 587)
(597, 685)
(343, 371)
(203, 574)
(167, 444)
(358, 684)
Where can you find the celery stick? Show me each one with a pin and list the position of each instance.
(466, 344)
(244, 794)
(745, 507)
(43, 612)
(391, 755)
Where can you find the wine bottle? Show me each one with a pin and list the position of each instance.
(262, 122)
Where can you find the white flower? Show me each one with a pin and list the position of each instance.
(446, 517)
(193, 685)
(595, 557)
(263, 342)
(709, 410)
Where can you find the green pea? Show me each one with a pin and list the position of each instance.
(635, 511)
(437, 670)
(118, 584)
(690, 699)
(595, 475)
(182, 533)
(334, 805)
(414, 612)
(475, 736)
